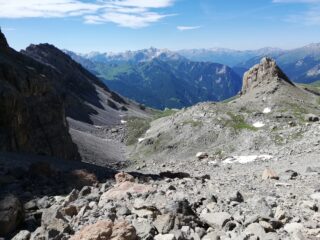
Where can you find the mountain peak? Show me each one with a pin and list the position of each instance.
(263, 74)
(3, 40)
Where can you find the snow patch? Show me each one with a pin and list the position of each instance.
(141, 139)
(123, 122)
(267, 110)
(247, 159)
(258, 124)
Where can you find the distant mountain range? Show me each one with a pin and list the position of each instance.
(162, 78)
(302, 65)
(226, 56)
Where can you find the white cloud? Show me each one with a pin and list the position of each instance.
(309, 17)
(7, 29)
(126, 13)
(126, 20)
(186, 28)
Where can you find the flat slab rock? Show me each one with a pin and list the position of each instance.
(121, 190)
(218, 219)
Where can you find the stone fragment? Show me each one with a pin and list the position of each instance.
(11, 214)
(255, 229)
(216, 220)
(123, 177)
(202, 155)
(98, 231)
(269, 174)
(22, 235)
(164, 223)
(165, 237)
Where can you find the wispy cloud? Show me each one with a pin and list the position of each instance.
(125, 13)
(7, 29)
(187, 28)
(308, 17)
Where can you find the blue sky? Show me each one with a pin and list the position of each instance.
(117, 25)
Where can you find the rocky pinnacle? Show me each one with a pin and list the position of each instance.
(3, 41)
(264, 73)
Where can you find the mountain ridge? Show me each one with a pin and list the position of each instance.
(167, 80)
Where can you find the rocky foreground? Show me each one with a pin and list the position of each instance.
(235, 201)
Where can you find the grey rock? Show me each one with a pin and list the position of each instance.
(31, 205)
(216, 220)
(211, 236)
(39, 234)
(123, 211)
(315, 196)
(261, 207)
(22, 235)
(237, 197)
(255, 229)
(144, 228)
(165, 237)
(11, 214)
(164, 223)
(44, 202)
(311, 118)
(288, 175)
(293, 227)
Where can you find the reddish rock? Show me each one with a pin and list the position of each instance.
(82, 177)
(101, 230)
(269, 174)
(123, 177)
(121, 190)
(123, 231)
(106, 230)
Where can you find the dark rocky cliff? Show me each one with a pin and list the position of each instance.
(32, 115)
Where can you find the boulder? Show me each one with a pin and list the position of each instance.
(255, 229)
(315, 196)
(202, 155)
(106, 230)
(279, 214)
(98, 231)
(120, 191)
(122, 230)
(39, 234)
(288, 175)
(11, 214)
(311, 118)
(293, 227)
(123, 177)
(216, 220)
(260, 207)
(164, 223)
(22, 235)
(144, 228)
(269, 174)
(237, 197)
(165, 237)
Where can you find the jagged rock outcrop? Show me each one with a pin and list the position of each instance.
(3, 41)
(32, 112)
(263, 74)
